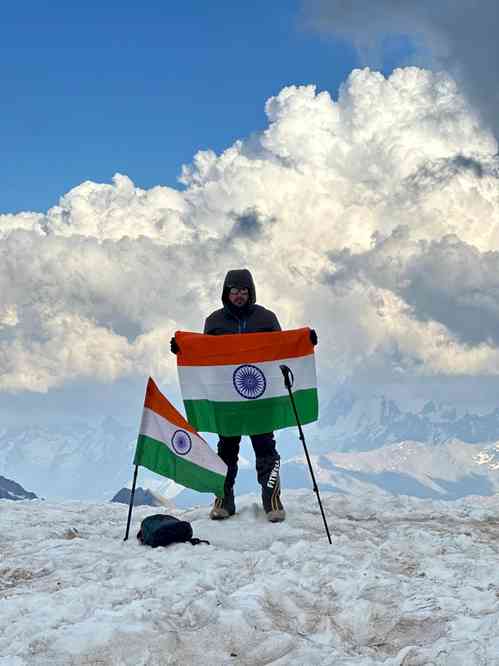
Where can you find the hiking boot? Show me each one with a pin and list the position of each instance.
(223, 507)
(272, 505)
(276, 516)
(269, 478)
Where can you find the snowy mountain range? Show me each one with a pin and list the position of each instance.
(445, 471)
(431, 450)
(352, 424)
(72, 462)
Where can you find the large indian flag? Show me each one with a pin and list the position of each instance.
(169, 445)
(232, 384)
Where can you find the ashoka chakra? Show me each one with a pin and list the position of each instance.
(181, 442)
(249, 381)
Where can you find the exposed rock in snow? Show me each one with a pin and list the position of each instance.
(13, 491)
(141, 497)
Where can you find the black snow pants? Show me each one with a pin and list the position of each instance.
(267, 463)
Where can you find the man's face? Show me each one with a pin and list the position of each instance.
(238, 297)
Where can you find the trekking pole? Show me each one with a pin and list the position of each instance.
(288, 383)
(131, 503)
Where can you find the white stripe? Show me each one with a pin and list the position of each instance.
(157, 427)
(216, 382)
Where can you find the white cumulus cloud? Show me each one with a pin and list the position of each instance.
(373, 218)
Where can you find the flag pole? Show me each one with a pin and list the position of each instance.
(288, 382)
(131, 503)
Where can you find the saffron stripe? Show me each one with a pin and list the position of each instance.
(157, 402)
(197, 349)
(252, 417)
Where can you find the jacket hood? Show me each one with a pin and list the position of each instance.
(239, 278)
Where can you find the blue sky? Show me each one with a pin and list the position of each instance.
(91, 89)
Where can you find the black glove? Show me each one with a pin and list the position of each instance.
(313, 337)
(174, 346)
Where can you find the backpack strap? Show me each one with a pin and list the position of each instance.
(195, 542)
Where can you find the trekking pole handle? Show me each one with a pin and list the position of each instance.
(287, 373)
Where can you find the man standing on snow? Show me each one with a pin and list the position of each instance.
(240, 314)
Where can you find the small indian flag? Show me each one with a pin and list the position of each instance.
(169, 445)
(232, 384)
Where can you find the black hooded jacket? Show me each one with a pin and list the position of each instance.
(251, 318)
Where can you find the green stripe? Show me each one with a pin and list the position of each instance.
(157, 457)
(252, 417)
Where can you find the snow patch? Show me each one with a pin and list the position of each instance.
(405, 582)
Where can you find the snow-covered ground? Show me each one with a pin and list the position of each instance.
(406, 582)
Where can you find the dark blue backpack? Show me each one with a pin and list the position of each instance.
(162, 530)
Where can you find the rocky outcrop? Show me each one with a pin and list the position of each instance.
(13, 491)
(141, 497)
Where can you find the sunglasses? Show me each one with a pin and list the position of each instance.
(236, 290)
